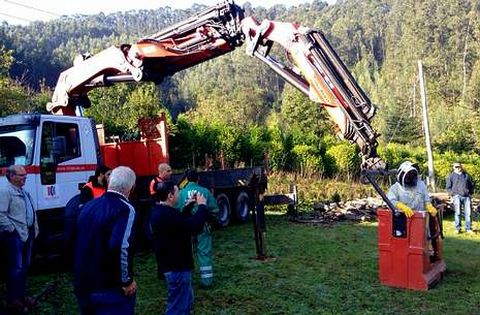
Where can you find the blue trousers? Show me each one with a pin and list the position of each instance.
(458, 201)
(18, 255)
(107, 302)
(180, 292)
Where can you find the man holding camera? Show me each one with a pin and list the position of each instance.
(172, 242)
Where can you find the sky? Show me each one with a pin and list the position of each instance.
(25, 11)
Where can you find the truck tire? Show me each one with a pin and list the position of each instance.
(242, 207)
(223, 210)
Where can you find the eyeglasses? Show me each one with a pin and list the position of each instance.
(21, 175)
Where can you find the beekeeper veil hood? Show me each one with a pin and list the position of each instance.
(407, 174)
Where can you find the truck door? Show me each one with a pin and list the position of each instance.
(62, 164)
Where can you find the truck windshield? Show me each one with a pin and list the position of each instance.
(16, 145)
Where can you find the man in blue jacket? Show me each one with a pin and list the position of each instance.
(103, 275)
(460, 186)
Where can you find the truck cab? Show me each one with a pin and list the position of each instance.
(59, 154)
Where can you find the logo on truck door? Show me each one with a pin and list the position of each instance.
(50, 192)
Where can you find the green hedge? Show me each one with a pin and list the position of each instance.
(395, 154)
(346, 159)
(326, 158)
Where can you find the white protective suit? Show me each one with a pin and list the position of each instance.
(416, 197)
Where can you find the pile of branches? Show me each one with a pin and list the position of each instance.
(359, 210)
(362, 210)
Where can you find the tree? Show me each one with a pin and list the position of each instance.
(120, 107)
(6, 60)
(305, 119)
(280, 155)
(15, 97)
(397, 125)
(142, 102)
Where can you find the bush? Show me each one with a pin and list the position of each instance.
(442, 168)
(394, 154)
(181, 144)
(230, 144)
(308, 159)
(191, 143)
(280, 156)
(254, 145)
(347, 160)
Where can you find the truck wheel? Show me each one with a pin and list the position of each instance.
(224, 210)
(242, 207)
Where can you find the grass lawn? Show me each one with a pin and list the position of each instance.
(316, 270)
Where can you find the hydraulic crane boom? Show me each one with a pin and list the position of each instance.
(315, 68)
(208, 34)
(318, 72)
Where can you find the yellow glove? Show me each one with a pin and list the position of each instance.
(431, 209)
(405, 209)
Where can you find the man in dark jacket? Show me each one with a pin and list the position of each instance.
(172, 242)
(460, 187)
(103, 276)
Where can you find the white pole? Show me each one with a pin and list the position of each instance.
(431, 175)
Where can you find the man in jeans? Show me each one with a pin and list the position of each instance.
(460, 187)
(172, 242)
(18, 228)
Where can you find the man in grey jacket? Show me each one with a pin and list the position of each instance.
(460, 187)
(18, 228)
